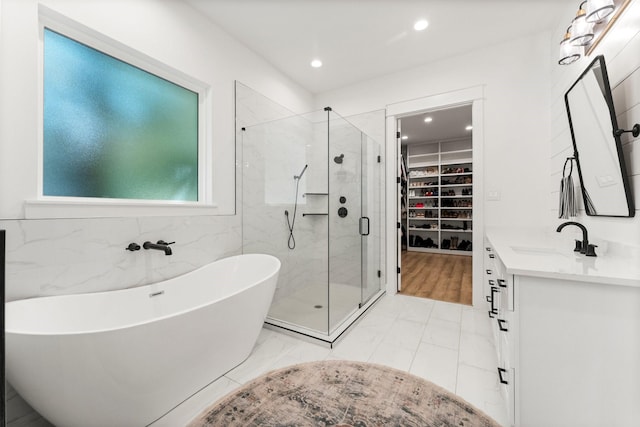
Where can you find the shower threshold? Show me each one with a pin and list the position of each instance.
(319, 337)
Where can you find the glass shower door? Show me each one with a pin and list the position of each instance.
(371, 222)
(355, 219)
(345, 212)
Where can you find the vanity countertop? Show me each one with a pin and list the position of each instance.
(545, 253)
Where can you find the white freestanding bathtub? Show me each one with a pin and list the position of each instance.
(125, 358)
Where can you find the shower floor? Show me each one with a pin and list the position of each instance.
(307, 307)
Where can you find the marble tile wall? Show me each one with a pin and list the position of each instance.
(67, 256)
(273, 154)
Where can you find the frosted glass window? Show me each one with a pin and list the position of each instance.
(112, 130)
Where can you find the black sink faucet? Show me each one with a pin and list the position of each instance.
(584, 247)
(161, 245)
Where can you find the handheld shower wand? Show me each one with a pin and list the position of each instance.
(291, 243)
(301, 173)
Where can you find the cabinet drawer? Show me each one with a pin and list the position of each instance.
(506, 379)
(504, 341)
(505, 285)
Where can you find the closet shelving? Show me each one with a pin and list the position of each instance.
(440, 197)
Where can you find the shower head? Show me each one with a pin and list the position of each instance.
(301, 173)
(338, 159)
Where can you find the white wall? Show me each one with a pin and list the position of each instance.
(516, 119)
(620, 48)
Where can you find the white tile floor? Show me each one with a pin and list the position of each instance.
(298, 306)
(448, 344)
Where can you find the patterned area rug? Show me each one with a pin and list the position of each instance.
(341, 393)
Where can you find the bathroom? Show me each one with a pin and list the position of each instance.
(55, 249)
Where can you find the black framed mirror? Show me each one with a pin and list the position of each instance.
(597, 145)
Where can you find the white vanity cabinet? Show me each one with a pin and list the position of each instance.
(499, 296)
(568, 350)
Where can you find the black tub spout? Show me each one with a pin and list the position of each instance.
(160, 246)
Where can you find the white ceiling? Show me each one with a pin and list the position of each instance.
(446, 124)
(359, 40)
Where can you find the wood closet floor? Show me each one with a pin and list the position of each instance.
(437, 276)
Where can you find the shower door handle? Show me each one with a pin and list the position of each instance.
(361, 225)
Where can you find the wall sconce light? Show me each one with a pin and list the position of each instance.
(568, 51)
(598, 10)
(593, 19)
(581, 30)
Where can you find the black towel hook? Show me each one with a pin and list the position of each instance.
(635, 131)
(569, 159)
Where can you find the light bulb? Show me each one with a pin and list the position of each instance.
(420, 25)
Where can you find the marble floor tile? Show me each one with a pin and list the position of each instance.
(476, 321)
(404, 333)
(357, 345)
(443, 333)
(415, 309)
(190, 408)
(448, 344)
(436, 364)
(477, 350)
(481, 388)
(262, 358)
(447, 311)
(390, 355)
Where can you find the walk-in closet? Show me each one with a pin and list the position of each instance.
(436, 204)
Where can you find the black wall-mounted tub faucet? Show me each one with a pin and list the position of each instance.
(161, 245)
(584, 247)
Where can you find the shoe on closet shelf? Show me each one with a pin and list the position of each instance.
(454, 242)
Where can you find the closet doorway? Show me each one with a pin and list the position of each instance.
(436, 204)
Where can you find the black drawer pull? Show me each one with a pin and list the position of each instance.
(492, 255)
(502, 328)
(488, 248)
(492, 282)
(502, 283)
(491, 299)
(500, 372)
(489, 271)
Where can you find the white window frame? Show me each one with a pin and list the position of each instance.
(88, 207)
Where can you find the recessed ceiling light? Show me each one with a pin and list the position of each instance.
(468, 127)
(405, 137)
(316, 63)
(428, 119)
(420, 25)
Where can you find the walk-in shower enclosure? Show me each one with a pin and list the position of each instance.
(312, 196)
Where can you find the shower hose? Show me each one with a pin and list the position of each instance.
(291, 242)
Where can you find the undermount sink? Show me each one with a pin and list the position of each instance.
(537, 251)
